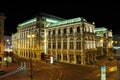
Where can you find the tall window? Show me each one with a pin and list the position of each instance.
(54, 45)
(64, 45)
(49, 33)
(78, 29)
(53, 32)
(64, 31)
(78, 45)
(59, 45)
(49, 45)
(71, 45)
(59, 32)
(71, 30)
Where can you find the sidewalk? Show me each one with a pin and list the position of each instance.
(10, 67)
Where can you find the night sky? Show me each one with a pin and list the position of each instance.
(104, 14)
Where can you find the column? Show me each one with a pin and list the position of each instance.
(75, 51)
(68, 59)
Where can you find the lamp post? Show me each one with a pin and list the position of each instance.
(101, 41)
(30, 42)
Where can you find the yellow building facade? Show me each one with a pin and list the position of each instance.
(71, 41)
(2, 19)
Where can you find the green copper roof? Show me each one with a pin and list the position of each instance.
(51, 20)
(28, 22)
(66, 22)
(100, 29)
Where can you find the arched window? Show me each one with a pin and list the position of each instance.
(78, 29)
(71, 30)
(48, 32)
(59, 32)
(64, 31)
(53, 32)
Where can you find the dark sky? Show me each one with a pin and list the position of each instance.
(104, 14)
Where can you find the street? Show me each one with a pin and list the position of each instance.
(64, 71)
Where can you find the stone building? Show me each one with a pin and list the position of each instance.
(106, 39)
(71, 41)
(2, 19)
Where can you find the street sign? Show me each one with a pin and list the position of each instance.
(103, 72)
(51, 59)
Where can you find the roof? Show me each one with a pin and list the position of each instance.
(48, 18)
(100, 29)
(78, 19)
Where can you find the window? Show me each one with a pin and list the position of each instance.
(78, 29)
(59, 45)
(71, 30)
(54, 45)
(53, 32)
(58, 32)
(64, 45)
(78, 45)
(64, 31)
(71, 45)
(49, 45)
(49, 33)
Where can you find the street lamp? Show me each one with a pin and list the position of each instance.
(30, 37)
(6, 61)
(101, 41)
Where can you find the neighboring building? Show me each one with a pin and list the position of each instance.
(116, 40)
(71, 41)
(105, 37)
(8, 44)
(2, 18)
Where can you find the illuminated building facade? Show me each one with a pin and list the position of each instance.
(106, 39)
(71, 41)
(29, 41)
(116, 41)
(7, 44)
(2, 18)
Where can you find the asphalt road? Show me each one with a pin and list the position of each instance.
(63, 71)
